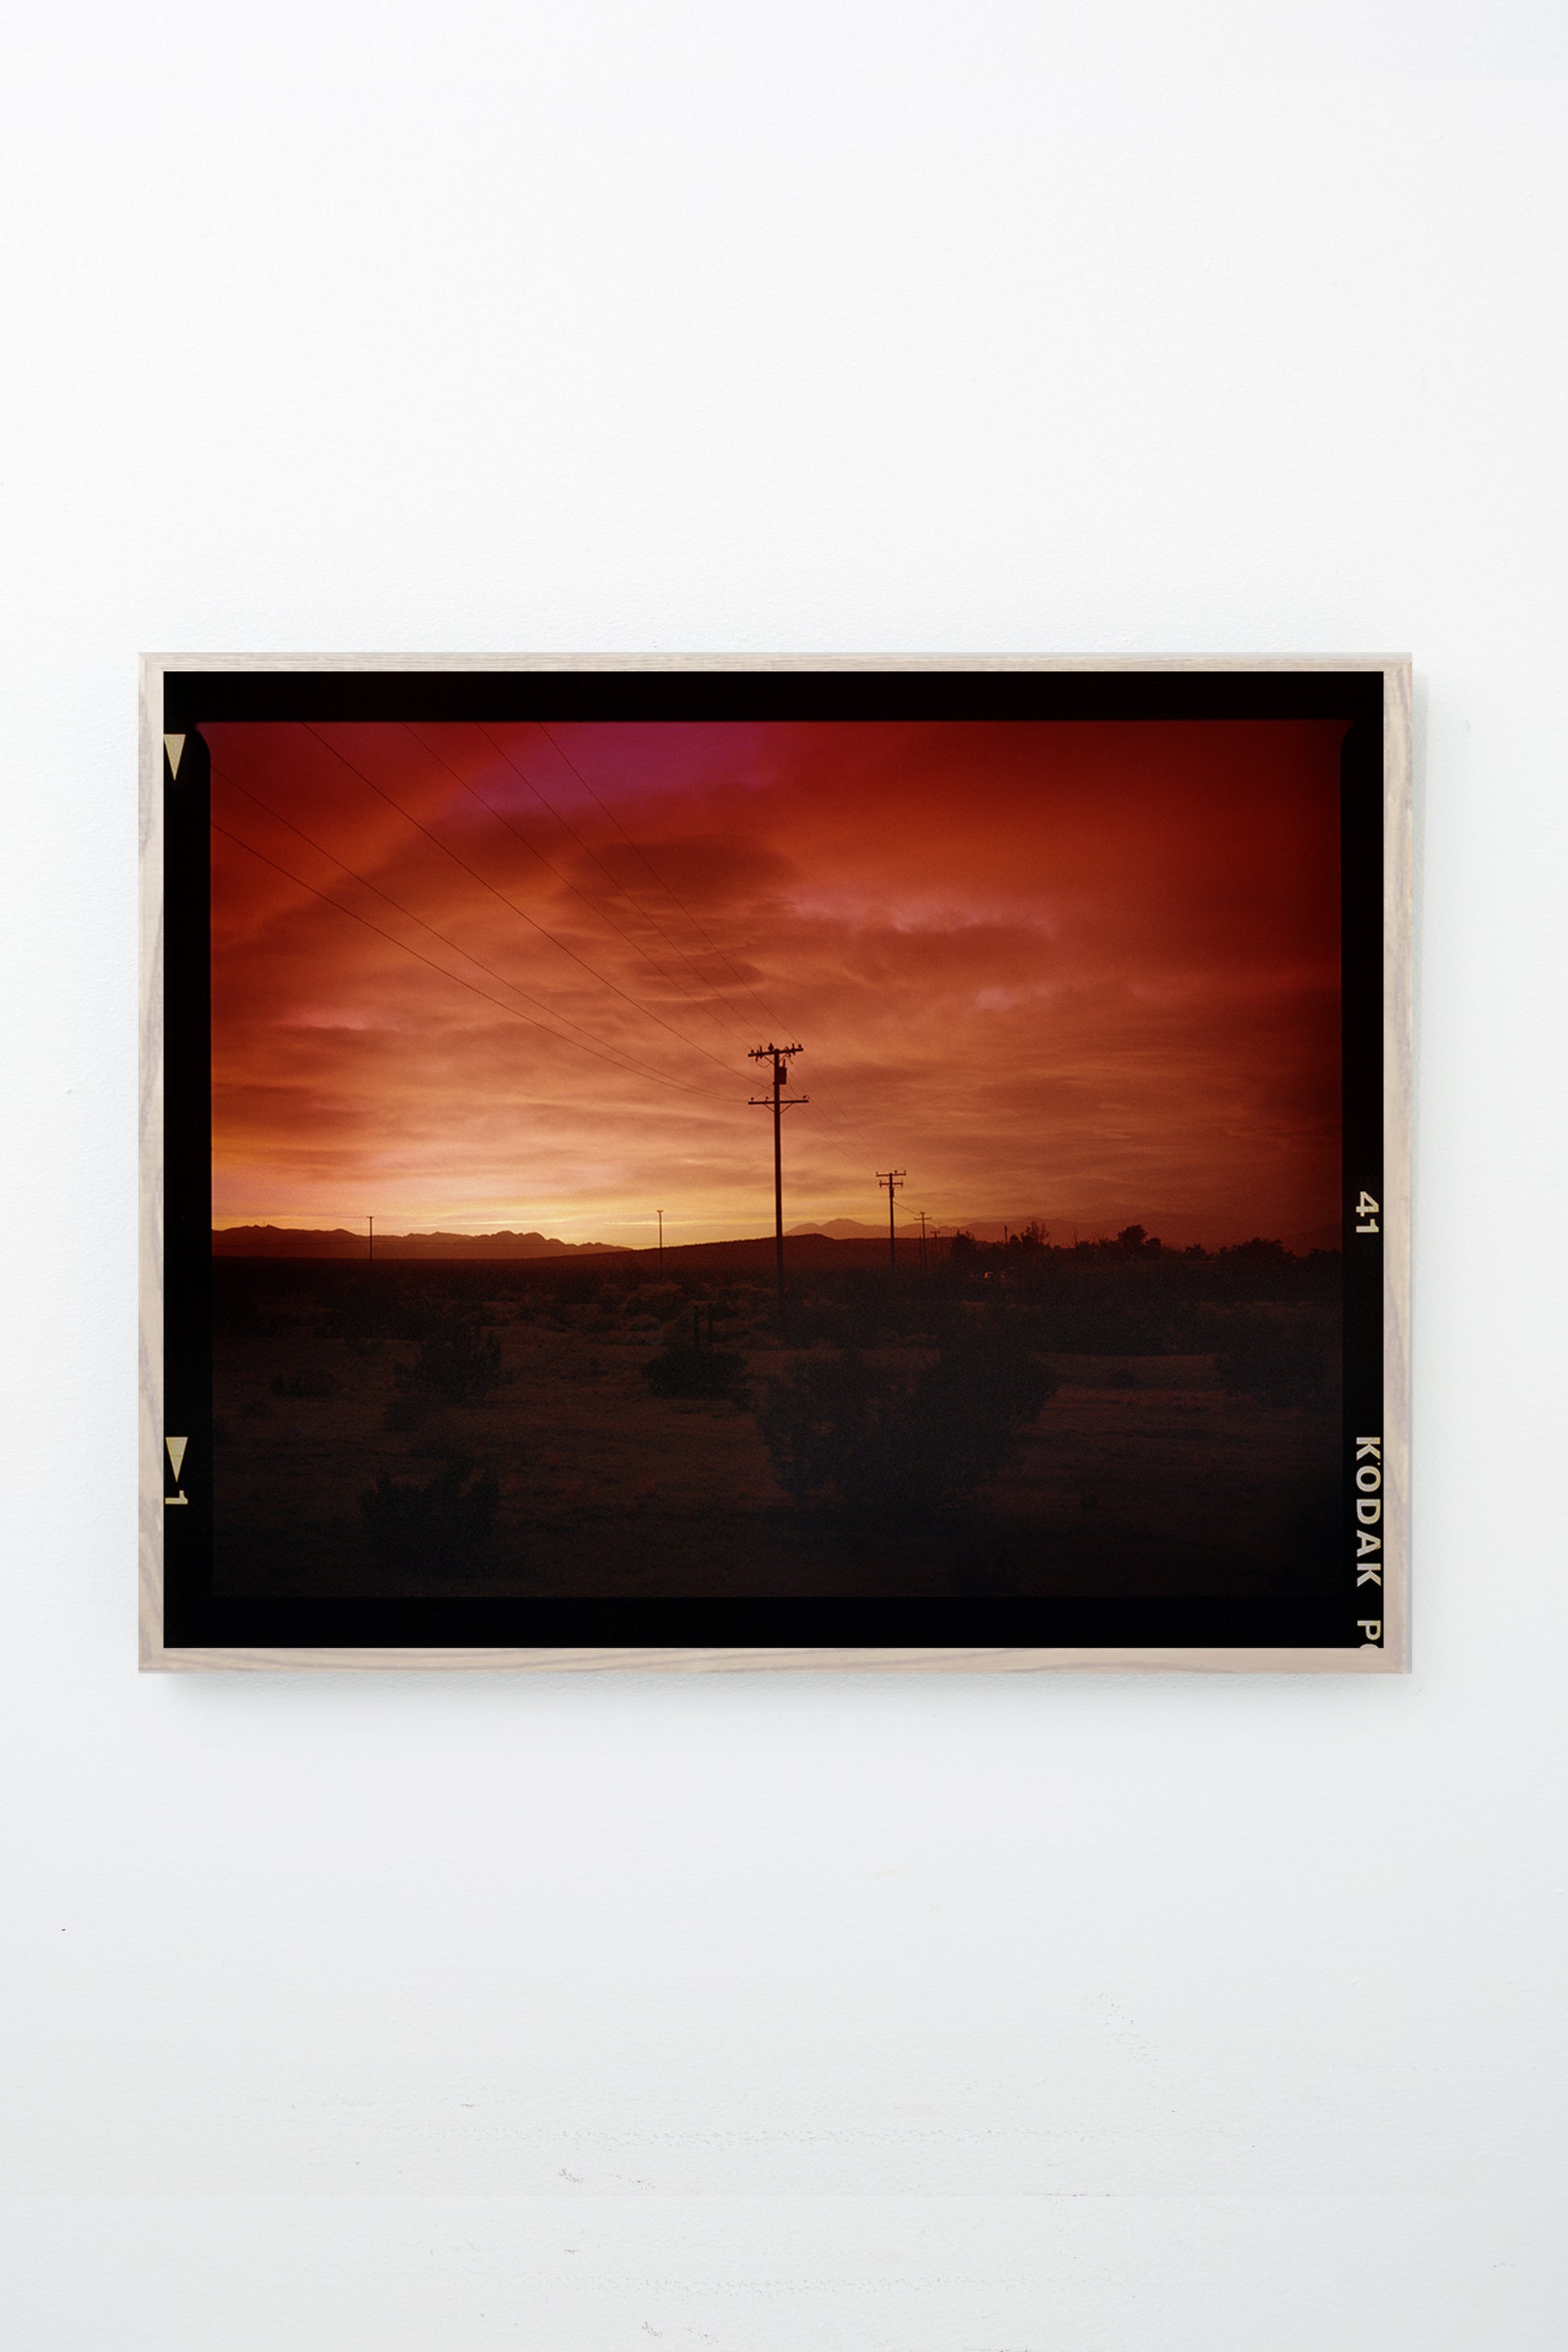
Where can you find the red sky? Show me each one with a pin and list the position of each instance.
(1083, 971)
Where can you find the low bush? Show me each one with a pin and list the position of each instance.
(899, 1442)
(455, 1362)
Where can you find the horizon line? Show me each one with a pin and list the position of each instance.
(870, 1234)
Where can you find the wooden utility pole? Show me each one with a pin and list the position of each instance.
(893, 1178)
(924, 1218)
(779, 1057)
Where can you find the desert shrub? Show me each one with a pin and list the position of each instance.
(455, 1362)
(593, 1317)
(681, 1369)
(860, 1309)
(441, 1526)
(316, 1385)
(899, 1443)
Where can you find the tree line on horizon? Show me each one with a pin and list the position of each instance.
(1034, 1240)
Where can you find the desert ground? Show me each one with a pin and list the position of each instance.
(406, 1429)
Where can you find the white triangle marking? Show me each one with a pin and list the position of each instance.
(174, 745)
(177, 1446)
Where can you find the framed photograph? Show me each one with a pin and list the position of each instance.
(721, 1163)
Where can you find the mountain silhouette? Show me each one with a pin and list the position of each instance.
(283, 1240)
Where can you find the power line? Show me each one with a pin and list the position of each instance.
(614, 1062)
(593, 905)
(458, 948)
(521, 912)
(673, 894)
(644, 860)
(588, 851)
(620, 888)
(833, 1121)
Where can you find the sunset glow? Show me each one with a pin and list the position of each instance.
(1082, 972)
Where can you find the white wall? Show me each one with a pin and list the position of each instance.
(861, 2016)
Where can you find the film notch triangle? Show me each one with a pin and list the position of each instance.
(174, 745)
(177, 1446)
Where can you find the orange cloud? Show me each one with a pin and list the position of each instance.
(1085, 971)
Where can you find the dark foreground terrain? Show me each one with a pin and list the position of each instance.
(1114, 1419)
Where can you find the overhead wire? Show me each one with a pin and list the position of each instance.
(674, 894)
(834, 1121)
(521, 912)
(455, 945)
(602, 979)
(534, 851)
(829, 1113)
(613, 1061)
(739, 1029)
(668, 887)
(589, 851)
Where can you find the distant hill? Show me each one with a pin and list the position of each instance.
(842, 1229)
(808, 1249)
(811, 1246)
(283, 1240)
(843, 1242)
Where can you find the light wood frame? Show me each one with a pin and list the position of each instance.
(1391, 1657)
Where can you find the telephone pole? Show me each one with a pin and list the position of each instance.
(659, 1214)
(779, 1057)
(893, 1178)
(924, 1218)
